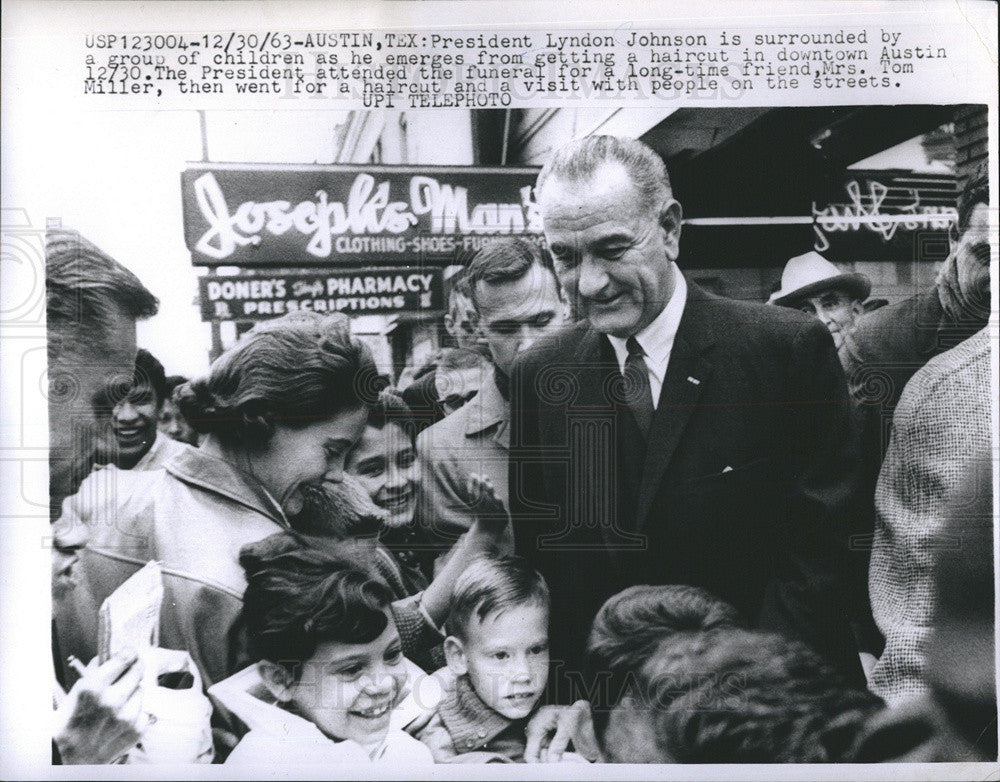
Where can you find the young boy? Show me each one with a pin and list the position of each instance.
(330, 667)
(497, 651)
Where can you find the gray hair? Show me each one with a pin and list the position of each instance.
(85, 288)
(578, 160)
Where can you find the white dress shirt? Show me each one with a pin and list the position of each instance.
(657, 339)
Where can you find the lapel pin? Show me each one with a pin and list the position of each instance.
(694, 380)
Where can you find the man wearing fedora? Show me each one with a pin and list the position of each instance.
(814, 285)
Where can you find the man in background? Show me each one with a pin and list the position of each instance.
(517, 300)
(814, 285)
(133, 441)
(889, 345)
(172, 422)
(92, 304)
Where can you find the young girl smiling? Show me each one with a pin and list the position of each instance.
(330, 665)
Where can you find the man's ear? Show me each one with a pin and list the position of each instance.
(857, 307)
(670, 222)
(454, 655)
(277, 680)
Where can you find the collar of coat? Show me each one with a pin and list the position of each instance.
(695, 333)
(193, 466)
(469, 721)
(487, 408)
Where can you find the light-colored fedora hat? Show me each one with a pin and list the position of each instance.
(811, 273)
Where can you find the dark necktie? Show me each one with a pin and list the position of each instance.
(638, 394)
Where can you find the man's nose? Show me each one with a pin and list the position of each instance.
(335, 472)
(592, 278)
(125, 412)
(823, 314)
(526, 337)
(69, 536)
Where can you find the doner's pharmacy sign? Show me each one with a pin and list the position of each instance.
(258, 216)
(380, 291)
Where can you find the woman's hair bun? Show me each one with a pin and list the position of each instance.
(199, 406)
(289, 371)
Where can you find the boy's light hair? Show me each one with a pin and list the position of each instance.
(491, 585)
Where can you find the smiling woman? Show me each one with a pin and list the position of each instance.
(286, 404)
(279, 412)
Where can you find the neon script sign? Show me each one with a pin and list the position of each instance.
(868, 211)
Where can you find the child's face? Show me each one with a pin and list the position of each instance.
(506, 657)
(349, 690)
(385, 462)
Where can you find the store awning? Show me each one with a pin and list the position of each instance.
(751, 163)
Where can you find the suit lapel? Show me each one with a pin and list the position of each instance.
(594, 359)
(570, 384)
(594, 362)
(688, 373)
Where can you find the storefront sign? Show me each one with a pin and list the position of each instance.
(353, 292)
(881, 209)
(257, 216)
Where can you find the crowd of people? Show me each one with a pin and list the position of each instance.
(620, 519)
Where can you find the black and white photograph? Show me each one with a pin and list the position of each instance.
(443, 425)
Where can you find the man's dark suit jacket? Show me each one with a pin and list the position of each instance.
(743, 490)
(421, 397)
(882, 353)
